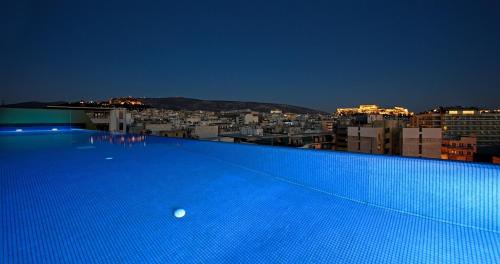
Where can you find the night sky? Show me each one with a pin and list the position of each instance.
(319, 54)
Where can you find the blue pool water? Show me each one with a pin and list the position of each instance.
(91, 197)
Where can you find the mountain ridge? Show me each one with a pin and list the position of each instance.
(192, 104)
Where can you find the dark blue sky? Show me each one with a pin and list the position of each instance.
(320, 54)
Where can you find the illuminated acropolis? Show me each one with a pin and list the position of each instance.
(374, 109)
(125, 101)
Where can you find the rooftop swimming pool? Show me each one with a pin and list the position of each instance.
(79, 196)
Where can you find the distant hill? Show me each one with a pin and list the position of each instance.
(181, 103)
(35, 104)
(189, 104)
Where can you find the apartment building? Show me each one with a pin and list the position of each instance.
(327, 125)
(380, 137)
(247, 118)
(459, 148)
(421, 142)
(342, 123)
(431, 119)
(457, 122)
(365, 139)
(482, 124)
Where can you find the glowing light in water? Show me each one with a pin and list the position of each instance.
(179, 213)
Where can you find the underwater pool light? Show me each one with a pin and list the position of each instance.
(179, 213)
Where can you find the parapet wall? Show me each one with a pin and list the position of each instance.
(16, 117)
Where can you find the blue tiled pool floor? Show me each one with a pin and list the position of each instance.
(69, 204)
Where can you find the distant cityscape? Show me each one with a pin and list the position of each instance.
(452, 133)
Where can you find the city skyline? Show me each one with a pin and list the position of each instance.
(190, 104)
(323, 55)
(223, 131)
